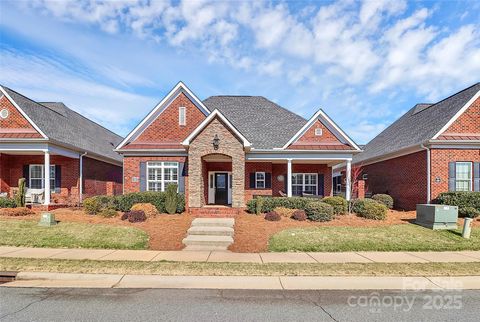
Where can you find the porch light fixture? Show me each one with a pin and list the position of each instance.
(216, 142)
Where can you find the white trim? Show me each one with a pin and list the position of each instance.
(211, 187)
(348, 183)
(160, 107)
(23, 113)
(295, 157)
(206, 121)
(256, 180)
(303, 181)
(329, 121)
(462, 146)
(162, 168)
(457, 115)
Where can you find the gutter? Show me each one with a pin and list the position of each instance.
(80, 192)
(429, 179)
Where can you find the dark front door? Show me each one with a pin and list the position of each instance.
(221, 188)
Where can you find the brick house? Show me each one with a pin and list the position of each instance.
(37, 136)
(432, 148)
(226, 150)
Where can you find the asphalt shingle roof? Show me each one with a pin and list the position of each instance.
(66, 126)
(416, 126)
(265, 124)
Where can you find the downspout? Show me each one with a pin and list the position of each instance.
(80, 194)
(429, 180)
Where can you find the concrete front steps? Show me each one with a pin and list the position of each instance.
(210, 234)
(215, 212)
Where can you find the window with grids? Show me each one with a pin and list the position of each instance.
(37, 176)
(463, 176)
(260, 180)
(304, 183)
(161, 174)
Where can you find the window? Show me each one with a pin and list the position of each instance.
(304, 183)
(260, 180)
(463, 175)
(182, 116)
(161, 174)
(318, 132)
(37, 176)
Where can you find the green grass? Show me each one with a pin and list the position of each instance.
(407, 237)
(71, 235)
(238, 269)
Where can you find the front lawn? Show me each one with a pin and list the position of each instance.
(71, 235)
(406, 237)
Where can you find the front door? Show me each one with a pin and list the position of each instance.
(221, 188)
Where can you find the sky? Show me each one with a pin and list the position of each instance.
(365, 63)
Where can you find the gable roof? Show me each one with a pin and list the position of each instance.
(420, 124)
(66, 127)
(265, 124)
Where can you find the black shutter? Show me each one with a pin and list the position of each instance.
(285, 183)
(143, 176)
(58, 178)
(252, 180)
(181, 177)
(321, 185)
(26, 174)
(268, 180)
(451, 176)
(476, 176)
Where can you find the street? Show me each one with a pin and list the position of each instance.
(58, 304)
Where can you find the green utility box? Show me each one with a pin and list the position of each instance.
(47, 219)
(437, 216)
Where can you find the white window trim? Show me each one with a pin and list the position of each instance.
(161, 165)
(260, 180)
(180, 121)
(470, 180)
(303, 185)
(42, 166)
(318, 131)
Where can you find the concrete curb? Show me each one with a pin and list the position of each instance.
(415, 283)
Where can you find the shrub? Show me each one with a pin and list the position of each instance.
(272, 216)
(468, 212)
(370, 209)
(384, 199)
(124, 216)
(259, 206)
(108, 213)
(134, 216)
(20, 197)
(147, 208)
(171, 199)
(270, 203)
(125, 202)
(284, 212)
(339, 204)
(97, 204)
(16, 212)
(7, 203)
(319, 211)
(299, 215)
(460, 199)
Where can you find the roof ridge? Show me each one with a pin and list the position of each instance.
(38, 103)
(463, 90)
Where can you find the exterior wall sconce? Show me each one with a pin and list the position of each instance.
(216, 142)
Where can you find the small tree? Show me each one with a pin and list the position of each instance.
(259, 206)
(20, 197)
(356, 176)
(171, 199)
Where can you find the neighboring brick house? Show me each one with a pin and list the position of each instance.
(226, 150)
(36, 136)
(432, 148)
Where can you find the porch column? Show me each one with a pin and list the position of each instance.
(46, 173)
(289, 177)
(348, 184)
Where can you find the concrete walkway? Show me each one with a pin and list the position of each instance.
(222, 256)
(66, 280)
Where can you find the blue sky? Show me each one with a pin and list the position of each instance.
(364, 62)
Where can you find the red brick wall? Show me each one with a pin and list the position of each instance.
(309, 136)
(404, 178)
(15, 123)
(439, 161)
(101, 178)
(468, 122)
(165, 129)
(251, 167)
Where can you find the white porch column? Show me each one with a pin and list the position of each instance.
(348, 184)
(46, 173)
(289, 178)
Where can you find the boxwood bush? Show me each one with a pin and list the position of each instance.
(7, 203)
(370, 209)
(384, 199)
(469, 212)
(97, 204)
(339, 204)
(319, 211)
(460, 199)
(270, 203)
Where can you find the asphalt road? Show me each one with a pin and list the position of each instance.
(34, 304)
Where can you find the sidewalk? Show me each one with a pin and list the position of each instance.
(259, 258)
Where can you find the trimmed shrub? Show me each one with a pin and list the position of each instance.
(171, 199)
(125, 202)
(384, 199)
(468, 212)
(284, 212)
(7, 203)
(339, 204)
(134, 216)
(319, 211)
(108, 213)
(16, 212)
(370, 209)
(22, 190)
(147, 208)
(97, 204)
(299, 215)
(460, 199)
(272, 216)
(259, 206)
(270, 203)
